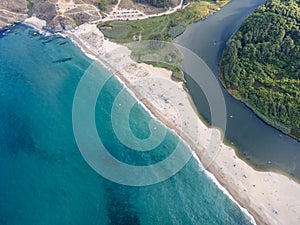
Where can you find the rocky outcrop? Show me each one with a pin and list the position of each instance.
(58, 14)
(12, 11)
(65, 14)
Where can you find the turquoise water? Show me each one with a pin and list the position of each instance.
(43, 176)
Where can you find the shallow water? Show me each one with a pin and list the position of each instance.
(44, 178)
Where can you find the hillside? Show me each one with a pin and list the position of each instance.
(59, 14)
(261, 64)
(12, 11)
(67, 14)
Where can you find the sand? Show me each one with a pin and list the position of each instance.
(270, 197)
(35, 22)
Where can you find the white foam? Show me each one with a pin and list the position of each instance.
(210, 175)
(225, 191)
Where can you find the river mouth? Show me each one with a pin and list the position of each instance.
(263, 146)
(41, 161)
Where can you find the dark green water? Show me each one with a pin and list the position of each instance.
(261, 144)
(43, 177)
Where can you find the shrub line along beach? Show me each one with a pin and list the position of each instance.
(270, 197)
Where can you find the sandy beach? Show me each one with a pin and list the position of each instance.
(270, 197)
(35, 22)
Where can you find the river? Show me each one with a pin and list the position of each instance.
(258, 143)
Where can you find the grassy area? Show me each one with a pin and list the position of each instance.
(194, 12)
(163, 28)
(155, 50)
(29, 7)
(152, 28)
(156, 29)
(177, 74)
(160, 54)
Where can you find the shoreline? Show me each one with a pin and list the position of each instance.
(222, 177)
(150, 109)
(276, 125)
(241, 156)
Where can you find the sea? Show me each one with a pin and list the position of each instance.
(46, 179)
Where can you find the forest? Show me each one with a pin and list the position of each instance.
(261, 64)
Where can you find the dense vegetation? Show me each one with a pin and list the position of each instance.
(29, 7)
(261, 64)
(103, 5)
(156, 3)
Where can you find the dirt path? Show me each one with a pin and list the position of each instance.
(11, 13)
(133, 14)
(63, 7)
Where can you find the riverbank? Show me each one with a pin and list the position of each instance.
(270, 197)
(262, 146)
(248, 186)
(273, 94)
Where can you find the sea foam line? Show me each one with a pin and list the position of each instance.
(195, 156)
(223, 189)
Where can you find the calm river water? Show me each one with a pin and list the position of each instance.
(262, 145)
